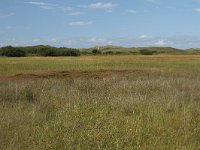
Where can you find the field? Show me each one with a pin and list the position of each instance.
(100, 102)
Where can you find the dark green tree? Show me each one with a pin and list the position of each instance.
(10, 51)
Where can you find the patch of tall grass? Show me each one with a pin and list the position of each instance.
(154, 111)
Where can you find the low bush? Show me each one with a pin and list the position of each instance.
(70, 52)
(146, 52)
(96, 51)
(109, 53)
(40, 50)
(48, 52)
(10, 51)
(59, 52)
(133, 53)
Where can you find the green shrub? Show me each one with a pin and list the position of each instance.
(85, 53)
(146, 52)
(70, 52)
(10, 51)
(133, 53)
(48, 52)
(59, 52)
(37, 50)
(109, 53)
(96, 51)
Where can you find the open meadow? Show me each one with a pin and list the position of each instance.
(100, 102)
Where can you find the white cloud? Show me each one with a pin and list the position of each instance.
(69, 42)
(100, 5)
(180, 41)
(109, 11)
(2, 16)
(80, 23)
(76, 14)
(66, 43)
(145, 36)
(54, 40)
(35, 40)
(171, 7)
(108, 7)
(1, 44)
(152, 1)
(131, 11)
(6, 30)
(161, 43)
(100, 41)
(49, 6)
(37, 3)
(197, 9)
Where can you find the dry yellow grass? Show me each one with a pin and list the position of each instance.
(168, 63)
(103, 102)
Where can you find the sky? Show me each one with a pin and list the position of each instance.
(88, 23)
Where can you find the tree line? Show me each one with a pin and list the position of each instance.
(41, 50)
(46, 50)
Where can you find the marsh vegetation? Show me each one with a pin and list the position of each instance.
(100, 102)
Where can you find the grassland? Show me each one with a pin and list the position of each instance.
(100, 102)
(168, 63)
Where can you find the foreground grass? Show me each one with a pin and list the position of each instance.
(150, 110)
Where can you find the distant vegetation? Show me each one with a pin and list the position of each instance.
(146, 52)
(193, 50)
(10, 51)
(40, 50)
(46, 50)
(118, 50)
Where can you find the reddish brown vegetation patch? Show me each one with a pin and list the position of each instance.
(98, 74)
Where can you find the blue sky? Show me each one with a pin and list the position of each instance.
(78, 23)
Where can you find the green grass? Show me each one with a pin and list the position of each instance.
(150, 110)
(169, 63)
